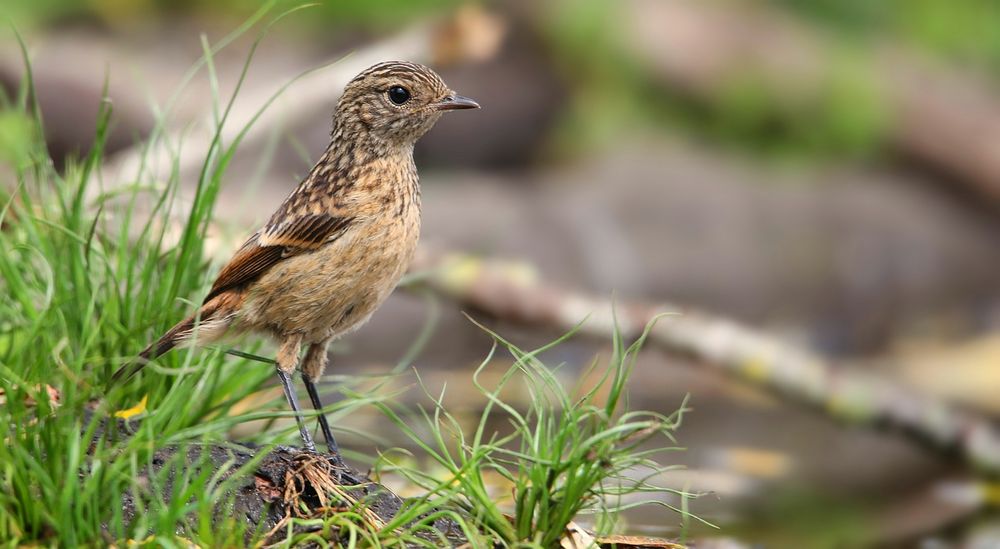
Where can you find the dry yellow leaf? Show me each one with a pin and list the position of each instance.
(756, 462)
(637, 541)
(577, 538)
(965, 372)
(133, 411)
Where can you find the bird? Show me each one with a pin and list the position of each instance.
(335, 248)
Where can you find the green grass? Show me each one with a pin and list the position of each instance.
(86, 283)
(89, 277)
(573, 451)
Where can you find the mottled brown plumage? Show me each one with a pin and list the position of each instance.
(336, 247)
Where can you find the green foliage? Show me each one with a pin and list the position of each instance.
(16, 137)
(612, 95)
(842, 116)
(604, 83)
(963, 30)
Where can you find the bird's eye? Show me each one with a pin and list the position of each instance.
(398, 95)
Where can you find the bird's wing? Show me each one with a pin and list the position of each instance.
(300, 234)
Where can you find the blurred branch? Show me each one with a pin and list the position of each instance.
(301, 99)
(947, 119)
(468, 34)
(512, 291)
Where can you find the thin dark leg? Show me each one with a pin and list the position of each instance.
(331, 443)
(293, 401)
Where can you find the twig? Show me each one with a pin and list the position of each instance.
(512, 291)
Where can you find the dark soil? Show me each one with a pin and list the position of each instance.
(286, 483)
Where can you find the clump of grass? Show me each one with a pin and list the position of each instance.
(571, 452)
(88, 277)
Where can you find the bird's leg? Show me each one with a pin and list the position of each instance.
(288, 356)
(312, 368)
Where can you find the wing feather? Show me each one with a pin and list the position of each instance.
(302, 234)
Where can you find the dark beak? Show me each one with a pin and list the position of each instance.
(454, 102)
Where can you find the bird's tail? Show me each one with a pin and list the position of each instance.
(207, 323)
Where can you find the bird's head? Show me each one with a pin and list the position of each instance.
(396, 102)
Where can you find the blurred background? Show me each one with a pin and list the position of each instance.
(823, 173)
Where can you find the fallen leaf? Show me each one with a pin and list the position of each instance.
(133, 411)
(267, 490)
(54, 396)
(623, 542)
(964, 372)
(473, 34)
(577, 538)
(178, 541)
(756, 462)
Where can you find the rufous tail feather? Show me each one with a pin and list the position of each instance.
(180, 333)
